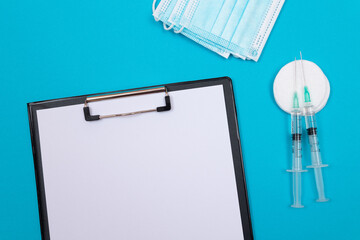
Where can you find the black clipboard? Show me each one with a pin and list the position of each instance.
(226, 82)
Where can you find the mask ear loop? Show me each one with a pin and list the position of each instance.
(179, 31)
(153, 9)
(164, 25)
(168, 28)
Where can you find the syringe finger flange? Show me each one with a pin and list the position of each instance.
(318, 166)
(297, 170)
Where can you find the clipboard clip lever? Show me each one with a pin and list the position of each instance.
(89, 117)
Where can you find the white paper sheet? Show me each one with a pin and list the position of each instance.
(154, 176)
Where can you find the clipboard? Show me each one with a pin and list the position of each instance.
(156, 163)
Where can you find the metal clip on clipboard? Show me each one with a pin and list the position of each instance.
(89, 117)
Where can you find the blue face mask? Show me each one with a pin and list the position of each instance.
(212, 19)
(163, 10)
(246, 30)
(233, 22)
(173, 21)
(209, 45)
(239, 27)
(252, 31)
(178, 12)
(202, 41)
(200, 17)
(229, 9)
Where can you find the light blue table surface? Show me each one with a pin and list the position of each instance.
(53, 49)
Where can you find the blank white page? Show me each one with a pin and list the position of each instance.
(153, 176)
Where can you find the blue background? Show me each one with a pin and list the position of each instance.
(53, 49)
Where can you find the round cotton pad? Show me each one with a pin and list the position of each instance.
(317, 82)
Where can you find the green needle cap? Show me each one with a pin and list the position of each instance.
(296, 101)
(307, 95)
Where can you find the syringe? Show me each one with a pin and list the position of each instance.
(311, 128)
(296, 130)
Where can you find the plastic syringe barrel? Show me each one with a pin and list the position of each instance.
(296, 130)
(316, 161)
(296, 139)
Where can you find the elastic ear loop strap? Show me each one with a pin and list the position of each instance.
(153, 9)
(164, 25)
(179, 31)
(153, 6)
(168, 28)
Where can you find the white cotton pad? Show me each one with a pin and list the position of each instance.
(317, 82)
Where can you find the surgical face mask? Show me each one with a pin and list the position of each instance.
(211, 19)
(233, 9)
(254, 28)
(178, 12)
(239, 27)
(172, 21)
(217, 27)
(201, 16)
(163, 10)
(234, 21)
(217, 49)
(248, 28)
(202, 41)
(205, 22)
